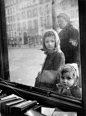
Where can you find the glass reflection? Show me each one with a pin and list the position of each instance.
(27, 21)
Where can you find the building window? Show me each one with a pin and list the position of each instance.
(11, 1)
(41, 20)
(34, 0)
(41, 1)
(18, 16)
(7, 28)
(48, 22)
(29, 13)
(64, 4)
(24, 25)
(45, 22)
(47, 9)
(74, 2)
(41, 10)
(13, 9)
(23, 15)
(8, 11)
(14, 1)
(8, 19)
(47, 0)
(29, 24)
(76, 12)
(35, 12)
(18, 26)
(35, 24)
(72, 13)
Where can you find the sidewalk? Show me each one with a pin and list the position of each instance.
(24, 46)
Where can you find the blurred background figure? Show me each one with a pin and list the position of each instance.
(69, 37)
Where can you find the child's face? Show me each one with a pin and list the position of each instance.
(50, 42)
(67, 79)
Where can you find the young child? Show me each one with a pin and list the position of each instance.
(69, 81)
(54, 56)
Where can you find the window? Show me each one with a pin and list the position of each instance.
(47, 0)
(41, 10)
(41, 1)
(48, 21)
(24, 25)
(34, 0)
(35, 12)
(29, 13)
(19, 26)
(47, 9)
(23, 15)
(22, 65)
(73, 2)
(41, 20)
(19, 16)
(29, 24)
(35, 24)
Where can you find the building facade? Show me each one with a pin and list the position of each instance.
(28, 19)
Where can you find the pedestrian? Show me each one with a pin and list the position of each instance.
(69, 38)
(54, 59)
(69, 81)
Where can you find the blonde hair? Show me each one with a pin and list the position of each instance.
(70, 68)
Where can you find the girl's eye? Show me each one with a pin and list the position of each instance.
(46, 41)
(62, 77)
(68, 78)
(52, 41)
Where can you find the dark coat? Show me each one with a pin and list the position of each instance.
(70, 51)
(54, 61)
(74, 91)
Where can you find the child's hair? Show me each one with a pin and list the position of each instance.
(51, 32)
(69, 68)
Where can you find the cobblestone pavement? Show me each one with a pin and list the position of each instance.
(25, 63)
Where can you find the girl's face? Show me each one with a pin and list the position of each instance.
(67, 80)
(50, 42)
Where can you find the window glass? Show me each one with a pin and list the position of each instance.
(27, 54)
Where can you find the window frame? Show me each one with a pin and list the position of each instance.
(57, 100)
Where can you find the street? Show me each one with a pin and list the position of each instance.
(24, 64)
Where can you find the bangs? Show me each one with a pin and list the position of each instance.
(49, 33)
(69, 69)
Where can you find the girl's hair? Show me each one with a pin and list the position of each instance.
(51, 32)
(69, 68)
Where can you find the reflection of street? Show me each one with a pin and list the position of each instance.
(24, 64)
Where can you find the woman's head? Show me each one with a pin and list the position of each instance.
(69, 75)
(51, 40)
(63, 20)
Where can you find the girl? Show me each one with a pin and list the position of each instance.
(69, 81)
(54, 58)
